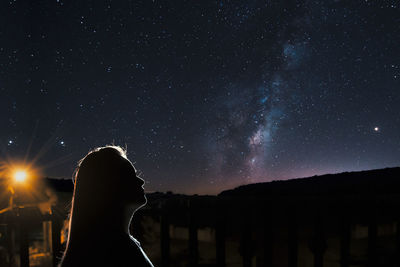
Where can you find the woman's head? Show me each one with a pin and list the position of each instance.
(107, 172)
(106, 193)
(105, 183)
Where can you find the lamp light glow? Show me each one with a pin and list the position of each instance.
(20, 176)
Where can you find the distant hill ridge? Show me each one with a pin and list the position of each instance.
(380, 181)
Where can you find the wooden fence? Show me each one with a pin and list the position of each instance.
(255, 223)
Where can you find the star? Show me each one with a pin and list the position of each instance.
(376, 129)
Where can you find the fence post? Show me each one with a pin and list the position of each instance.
(345, 241)
(24, 243)
(319, 245)
(11, 223)
(268, 241)
(398, 241)
(292, 236)
(165, 238)
(193, 240)
(56, 227)
(246, 236)
(220, 234)
(372, 238)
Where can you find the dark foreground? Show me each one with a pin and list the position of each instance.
(349, 219)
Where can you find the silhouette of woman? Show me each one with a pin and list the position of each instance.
(107, 192)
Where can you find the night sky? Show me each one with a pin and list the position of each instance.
(206, 95)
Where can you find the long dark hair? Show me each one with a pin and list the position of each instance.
(99, 197)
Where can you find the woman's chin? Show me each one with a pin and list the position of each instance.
(138, 203)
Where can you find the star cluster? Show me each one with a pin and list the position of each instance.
(206, 95)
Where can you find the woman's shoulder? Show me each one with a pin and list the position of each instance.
(146, 260)
(121, 251)
(134, 240)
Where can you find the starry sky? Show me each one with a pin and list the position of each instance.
(206, 95)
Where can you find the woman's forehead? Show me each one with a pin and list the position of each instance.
(129, 165)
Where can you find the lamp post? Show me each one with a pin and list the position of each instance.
(17, 177)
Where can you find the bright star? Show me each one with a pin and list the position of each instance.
(376, 129)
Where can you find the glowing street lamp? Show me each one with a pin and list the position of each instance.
(20, 176)
(17, 177)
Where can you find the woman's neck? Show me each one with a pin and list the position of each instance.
(110, 223)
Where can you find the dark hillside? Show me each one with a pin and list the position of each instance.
(381, 181)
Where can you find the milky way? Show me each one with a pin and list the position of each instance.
(205, 95)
